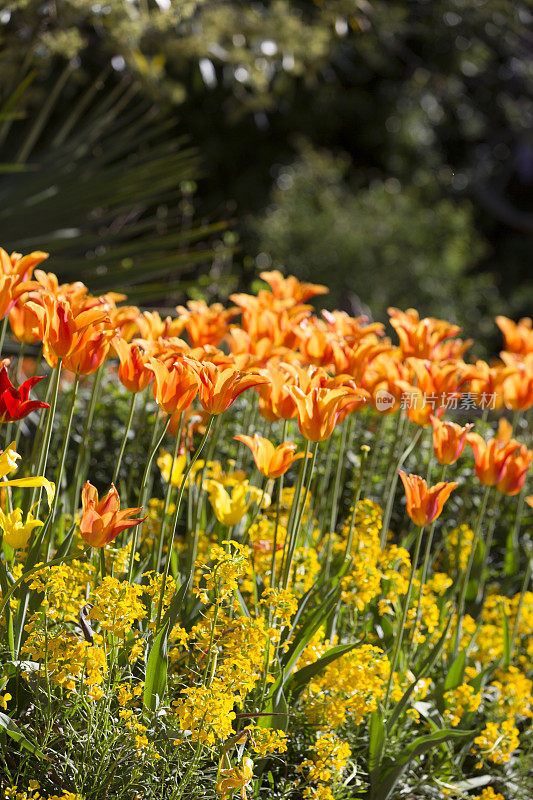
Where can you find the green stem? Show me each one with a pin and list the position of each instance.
(376, 447)
(62, 457)
(335, 498)
(143, 419)
(79, 472)
(124, 438)
(20, 359)
(399, 635)
(45, 446)
(278, 508)
(394, 481)
(3, 329)
(464, 582)
(516, 528)
(293, 536)
(357, 496)
(338, 475)
(154, 446)
(525, 583)
(176, 519)
(425, 566)
(167, 497)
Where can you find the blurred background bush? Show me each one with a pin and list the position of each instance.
(177, 148)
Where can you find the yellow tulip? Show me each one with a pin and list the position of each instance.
(8, 463)
(230, 509)
(8, 460)
(164, 462)
(16, 532)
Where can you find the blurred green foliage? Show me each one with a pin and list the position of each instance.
(376, 245)
(432, 95)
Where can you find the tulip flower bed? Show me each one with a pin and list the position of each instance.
(257, 552)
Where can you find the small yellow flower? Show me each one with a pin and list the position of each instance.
(4, 700)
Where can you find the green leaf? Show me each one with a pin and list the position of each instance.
(14, 732)
(297, 682)
(511, 564)
(385, 779)
(456, 672)
(376, 732)
(309, 627)
(425, 667)
(476, 572)
(156, 670)
(157, 662)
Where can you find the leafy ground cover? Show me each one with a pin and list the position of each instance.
(251, 551)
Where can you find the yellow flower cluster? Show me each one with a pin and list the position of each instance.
(459, 701)
(329, 757)
(223, 575)
(281, 603)
(488, 793)
(33, 793)
(206, 712)
(63, 587)
(116, 606)
(67, 659)
(266, 741)
(348, 688)
(497, 742)
(363, 581)
(458, 544)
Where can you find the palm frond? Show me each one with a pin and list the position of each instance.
(101, 187)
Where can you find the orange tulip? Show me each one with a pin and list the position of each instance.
(353, 329)
(60, 327)
(517, 388)
(220, 386)
(418, 337)
(437, 386)
(319, 409)
(102, 520)
(275, 400)
(272, 462)
(359, 357)
(425, 505)
(91, 351)
(259, 352)
(19, 265)
(205, 324)
(383, 378)
(491, 457)
(290, 287)
(518, 336)
(449, 440)
(451, 349)
(516, 468)
(15, 270)
(486, 382)
(265, 316)
(175, 387)
(152, 327)
(23, 323)
(134, 371)
(317, 346)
